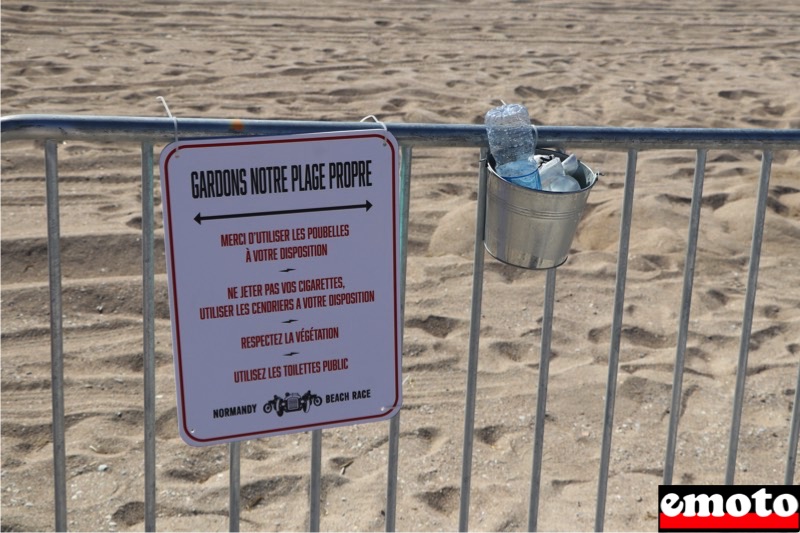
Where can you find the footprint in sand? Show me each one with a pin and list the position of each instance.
(129, 514)
(270, 489)
(490, 434)
(512, 350)
(438, 326)
(444, 500)
(633, 334)
(199, 465)
(644, 391)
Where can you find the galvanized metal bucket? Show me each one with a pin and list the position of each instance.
(533, 229)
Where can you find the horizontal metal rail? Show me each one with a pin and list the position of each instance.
(140, 129)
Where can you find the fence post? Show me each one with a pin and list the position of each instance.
(56, 335)
(541, 398)
(394, 423)
(315, 484)
(149, 339)
(686, 306)
(794, 430)
(474, 342)
(616, 334)
(234, 485)
(747, 321)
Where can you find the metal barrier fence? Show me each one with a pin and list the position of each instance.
(54, 128)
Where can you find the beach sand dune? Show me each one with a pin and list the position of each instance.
(666, 64)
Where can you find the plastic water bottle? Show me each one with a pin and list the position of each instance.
(511, 142)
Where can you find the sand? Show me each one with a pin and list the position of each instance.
(672, 64)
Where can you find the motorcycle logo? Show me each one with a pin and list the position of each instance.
(292, 401)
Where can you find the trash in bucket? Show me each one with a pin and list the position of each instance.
(557, 176)
(534, 228)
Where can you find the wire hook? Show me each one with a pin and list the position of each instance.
(174, 120)
(373, 117)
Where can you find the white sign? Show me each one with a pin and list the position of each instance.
(282, 261)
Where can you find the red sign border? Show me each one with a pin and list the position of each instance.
(329, 136)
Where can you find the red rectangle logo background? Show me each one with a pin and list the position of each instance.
(749, 522)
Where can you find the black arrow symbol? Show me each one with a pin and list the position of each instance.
(289, 321)
(287, 270)
(365, 206)
(290, 354)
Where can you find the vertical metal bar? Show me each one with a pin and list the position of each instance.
(234, 485)
(394, 423)
(541, 398)
(56, 335)
(315, 489)
(686, 306)
(391, 473)
(794, 430)
(616, 334)
(749, 305)
(149, 340)
(474, 342)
